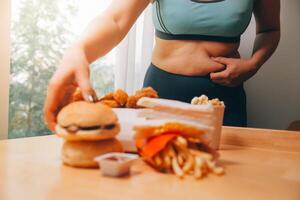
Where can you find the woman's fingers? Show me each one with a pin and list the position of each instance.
(222, 78)
(222, 60)
(217, 67)
(73, 72)
(60, 88)
(50, 120)
(84, 83)
(220, 75)
(52, 102)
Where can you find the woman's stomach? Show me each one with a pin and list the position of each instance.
(191, 58)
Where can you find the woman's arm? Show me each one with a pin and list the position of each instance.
(101, 35)
(267, 16)
(108, 29)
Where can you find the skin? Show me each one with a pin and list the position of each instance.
(220, 60)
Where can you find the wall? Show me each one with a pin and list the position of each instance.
(4, 65)
(274, 93)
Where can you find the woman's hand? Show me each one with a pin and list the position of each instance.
(72, 72)
(236, 72)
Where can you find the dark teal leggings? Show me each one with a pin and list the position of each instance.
(184, 88)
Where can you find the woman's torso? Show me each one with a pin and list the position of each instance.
(191, 58)
(216, 27)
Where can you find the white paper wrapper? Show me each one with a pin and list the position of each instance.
(216, 134)
(129, 118)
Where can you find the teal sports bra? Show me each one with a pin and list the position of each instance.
(221, 20)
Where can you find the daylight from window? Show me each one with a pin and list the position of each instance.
(41, 31)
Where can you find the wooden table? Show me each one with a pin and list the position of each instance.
(260, 164)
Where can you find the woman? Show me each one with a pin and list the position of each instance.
(196, 50)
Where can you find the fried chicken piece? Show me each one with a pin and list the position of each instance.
(121, 97)
(111, 103)
(108, 96)
(146, 92)
(131, 102)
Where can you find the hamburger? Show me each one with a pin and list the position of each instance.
(81, 120)
(82, 153)
(88, 130)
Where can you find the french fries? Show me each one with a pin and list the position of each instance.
(182, 160)
(176, 168)
(199, 162)
(157, 160)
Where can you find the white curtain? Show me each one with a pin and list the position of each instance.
(133, 54)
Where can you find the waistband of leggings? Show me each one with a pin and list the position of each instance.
(206, 77)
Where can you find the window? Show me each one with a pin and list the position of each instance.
(41, 30)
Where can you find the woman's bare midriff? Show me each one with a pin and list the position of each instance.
(191, 58)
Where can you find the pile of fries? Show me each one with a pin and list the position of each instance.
(177, 157)
(203, 99)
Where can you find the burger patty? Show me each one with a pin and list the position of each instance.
(75, 128)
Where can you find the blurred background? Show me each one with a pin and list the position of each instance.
(40, 32)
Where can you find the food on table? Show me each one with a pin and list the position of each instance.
(116, 164)
(120, 99)
(131, 102)
(108, 96)
(219, 108)
(203, 99)
(111, 103)
(176, 137)
(115, 99)
(165, 108)
(146, 92)
(87, 121)
(82, 153)
(176, 149)
(88, 130)
(120, 96)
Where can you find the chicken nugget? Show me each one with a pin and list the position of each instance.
(131, 102)
(120, 96)
(111, 103)
(147, 92)
(108, 96)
